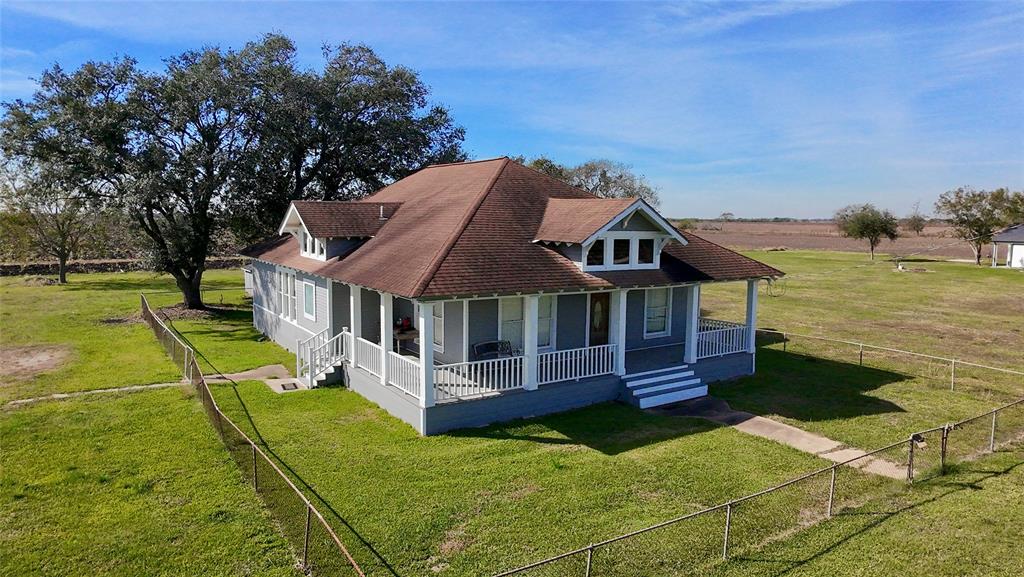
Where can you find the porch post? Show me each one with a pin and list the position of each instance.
(386, 340)
(995, 253)
(618, 329)
(425, 324)
(356, 313)
(751, 314)
(530, 319)
(692, 323)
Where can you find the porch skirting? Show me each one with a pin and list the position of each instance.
(520, 403)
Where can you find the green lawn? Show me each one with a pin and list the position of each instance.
(85, 317)
(127, 484)
(955, 309)
(966, 524)
(481, 500)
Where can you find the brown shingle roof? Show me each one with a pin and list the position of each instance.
(575, 219)
(468, 229)
(336, 219)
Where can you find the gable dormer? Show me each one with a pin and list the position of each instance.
(329, 229)
(607, 234)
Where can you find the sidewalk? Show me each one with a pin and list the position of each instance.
(719, 411)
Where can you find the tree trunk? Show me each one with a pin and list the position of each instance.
(977, 253)
(872, 248)
(189, 287)
(62, 269)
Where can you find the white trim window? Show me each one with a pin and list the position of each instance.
(546, 314)
(510, 322)
(657, 312)
(309, 300)
(286, 295)
(438, 320)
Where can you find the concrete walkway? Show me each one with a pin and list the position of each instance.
(57, 396)
(274, 376)
(719, 411)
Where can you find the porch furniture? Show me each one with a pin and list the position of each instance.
(406, 335)
(493, 350)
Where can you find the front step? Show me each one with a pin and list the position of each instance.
(663, 386)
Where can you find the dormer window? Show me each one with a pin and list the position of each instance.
(312, 247)
(645, 251)
(620, 251)
(595, 256)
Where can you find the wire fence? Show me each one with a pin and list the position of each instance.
(315, 542)
(699, 539)
(943, 372)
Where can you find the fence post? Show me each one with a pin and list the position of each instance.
(910, 461)
(831, 491)
(255, 478)
(785, 340)
(952, 373)
(305, 539)
(728, 525)
(861, 360)
(590, 558)
(992, 435)
(942, 453)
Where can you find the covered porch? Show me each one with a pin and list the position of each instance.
(430, 351)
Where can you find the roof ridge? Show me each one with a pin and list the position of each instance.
(466, 162)
(428, 275)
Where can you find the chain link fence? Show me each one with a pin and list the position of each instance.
(699, 539)
(316, 544)
(942, 372)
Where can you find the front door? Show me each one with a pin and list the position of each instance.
(600, 303)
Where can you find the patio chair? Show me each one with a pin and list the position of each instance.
(488, 350)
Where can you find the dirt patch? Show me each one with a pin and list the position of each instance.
(26, 362)
(39, 281)
(179, 312)
(130, 319)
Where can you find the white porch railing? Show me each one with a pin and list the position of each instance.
(462, 380)
(574, 364)
(404, 373)
(303, 349)
(369, 356)
(330, 354)
(716, 338)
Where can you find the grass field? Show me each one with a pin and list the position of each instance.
(144, 472)
(127, 484)
(954, 310)
(85, 319)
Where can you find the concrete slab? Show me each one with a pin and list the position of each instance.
(281, 386)
(258, 374)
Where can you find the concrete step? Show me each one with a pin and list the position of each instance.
(654, 372)
(673, 397)
(635, 383)
(666, 387)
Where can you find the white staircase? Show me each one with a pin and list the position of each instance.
(664, 386)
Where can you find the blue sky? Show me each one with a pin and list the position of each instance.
(760, 109)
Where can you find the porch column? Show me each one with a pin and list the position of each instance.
(618, 329)
(751, 314)
(386, 340)
(692, 323)
(530, 320)
(356, 313)
(995, 254)
(425, 324)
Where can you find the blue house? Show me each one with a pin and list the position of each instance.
(477, 292)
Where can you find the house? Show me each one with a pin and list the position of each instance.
(478, 292)
(1013, 238)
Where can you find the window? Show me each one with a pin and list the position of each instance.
(657, 309)
(438, 314)
(510, 313)
(286, 294)
(321, 248)
(546, 322)
(595, 256)
(309, 300)
(645, 251)
(620, 251)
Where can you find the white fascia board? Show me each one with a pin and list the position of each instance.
(287, 216)
(638, 204)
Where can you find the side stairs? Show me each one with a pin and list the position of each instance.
(663, 386)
